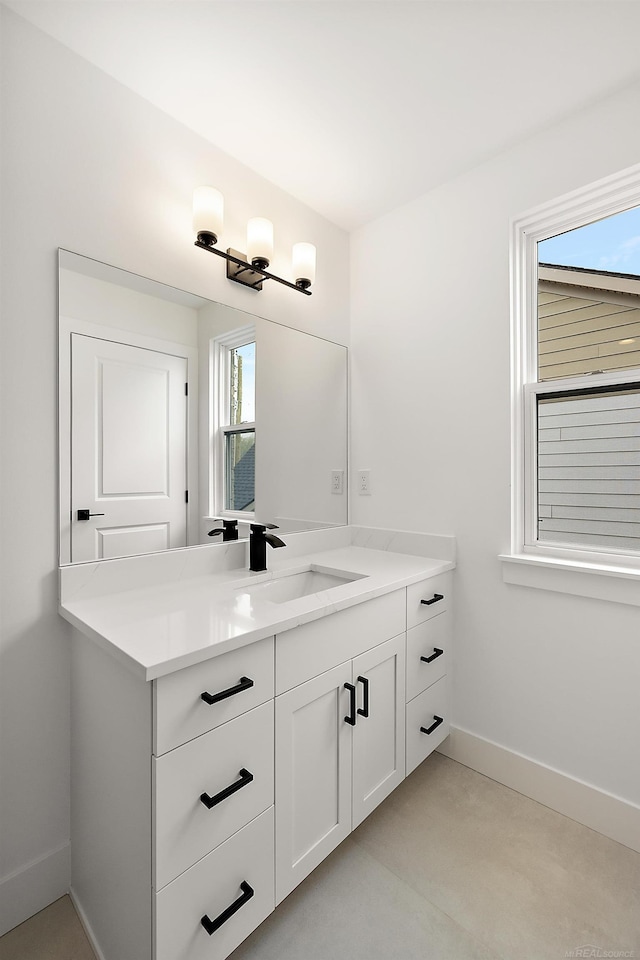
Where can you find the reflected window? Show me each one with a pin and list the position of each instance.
(234, 428)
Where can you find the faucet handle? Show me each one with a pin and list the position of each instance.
(264, 526)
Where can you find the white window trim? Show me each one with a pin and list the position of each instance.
(219, 374)
(577, 571)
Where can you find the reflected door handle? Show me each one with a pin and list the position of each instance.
(85, 514)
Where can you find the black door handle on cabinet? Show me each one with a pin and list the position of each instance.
(428, 730)
(434, 599)
(243, 684)
(212, 925)
(437, 652)
(364, 711)
(245, 778)
(352, 704)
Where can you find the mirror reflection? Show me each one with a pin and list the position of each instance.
(177, 412)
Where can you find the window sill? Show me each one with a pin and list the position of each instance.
(600, 582)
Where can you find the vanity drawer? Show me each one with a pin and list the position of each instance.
(431, 640)
(186, 829)
(423, 711)
(209, 888)
(309, 650)
(435, 591)
(236, 681)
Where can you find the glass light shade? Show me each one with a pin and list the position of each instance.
(304, 262)
(259, 241)
(208, 209)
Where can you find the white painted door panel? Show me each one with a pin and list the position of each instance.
(128, 449)
(378, 739)
(313, 775)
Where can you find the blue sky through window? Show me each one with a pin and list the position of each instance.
(610, 244)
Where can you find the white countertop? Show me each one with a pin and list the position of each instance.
(158, 629)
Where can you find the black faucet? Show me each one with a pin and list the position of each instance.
(258, 540)
(229, 530)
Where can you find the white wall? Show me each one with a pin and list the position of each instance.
(91, 167)
(551, 676)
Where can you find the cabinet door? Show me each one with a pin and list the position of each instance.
(379, 733)
(313, 775)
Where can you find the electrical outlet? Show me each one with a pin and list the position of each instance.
(337, 481)
(364, 482)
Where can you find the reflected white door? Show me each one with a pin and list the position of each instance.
(128, 449)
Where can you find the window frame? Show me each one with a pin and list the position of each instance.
(220, 350)
(604, 198)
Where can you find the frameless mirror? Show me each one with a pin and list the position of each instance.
(176, 411)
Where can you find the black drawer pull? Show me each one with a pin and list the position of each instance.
(243, 684)
(212, 925)
(437, 652)
(352, 704)
(428, 730)
(434, 599)
(245, 778)
(364, 710)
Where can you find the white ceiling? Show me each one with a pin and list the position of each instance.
(356, 106)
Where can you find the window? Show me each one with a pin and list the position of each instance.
(233, 434)
(576, 380)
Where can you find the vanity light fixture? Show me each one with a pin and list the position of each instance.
(249, 269)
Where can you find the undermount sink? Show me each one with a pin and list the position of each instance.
(295, 585)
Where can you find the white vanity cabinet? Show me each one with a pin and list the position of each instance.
(340, 736)
(202, 798)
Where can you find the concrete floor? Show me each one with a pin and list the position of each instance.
(452, 866)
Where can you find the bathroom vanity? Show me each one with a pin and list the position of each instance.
(230, 730)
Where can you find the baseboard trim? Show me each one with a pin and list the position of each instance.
(85, 924)
(34, 887)
(607, 814)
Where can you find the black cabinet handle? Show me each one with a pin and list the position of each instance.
(428, 730)
(352, 704)
(245, 778)
(212, 925)
(243, 684)
(437, 652)
(85, 514)
(364, 712)
(434, 599)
